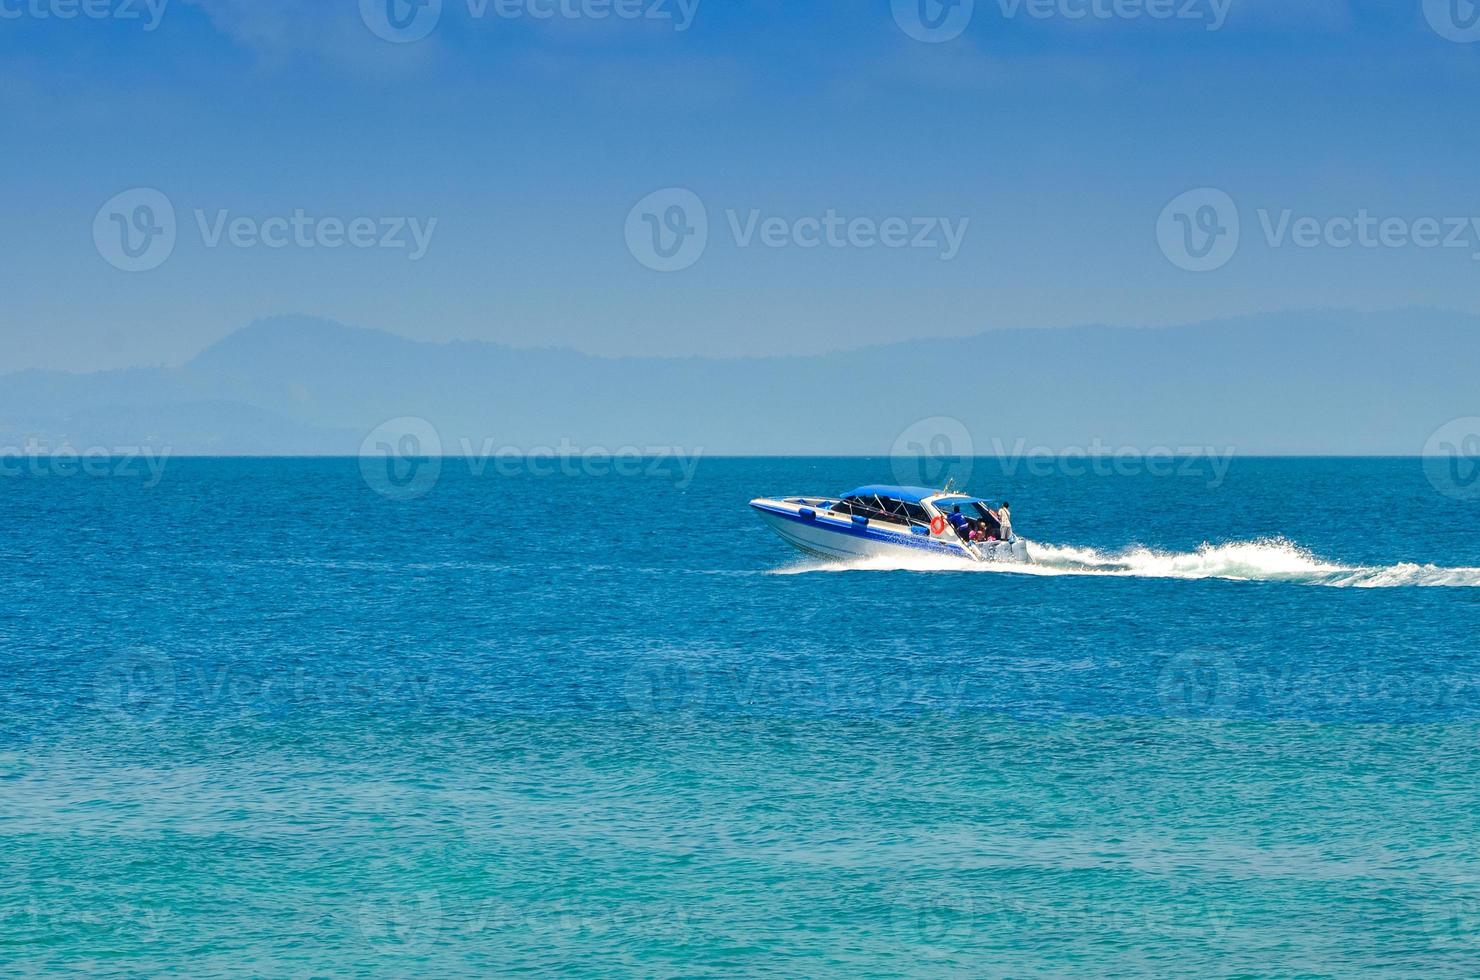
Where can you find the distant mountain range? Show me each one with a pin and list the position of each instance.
(1314, 382)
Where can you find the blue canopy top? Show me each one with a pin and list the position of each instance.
(912, 495)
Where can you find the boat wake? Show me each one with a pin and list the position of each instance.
(1271, 560)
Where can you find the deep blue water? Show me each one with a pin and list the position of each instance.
(257, 716)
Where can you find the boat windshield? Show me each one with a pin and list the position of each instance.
(972, 507)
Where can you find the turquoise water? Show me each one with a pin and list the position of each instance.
(258, 717)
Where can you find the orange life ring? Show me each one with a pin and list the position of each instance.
(938, 525)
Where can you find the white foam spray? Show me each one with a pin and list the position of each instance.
(1269, 560)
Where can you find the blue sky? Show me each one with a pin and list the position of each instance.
(1050, 145)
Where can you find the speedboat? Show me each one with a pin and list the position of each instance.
(884, 520)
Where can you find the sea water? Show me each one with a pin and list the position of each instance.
(281, 717)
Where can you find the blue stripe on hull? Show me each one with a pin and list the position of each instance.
(913, 542)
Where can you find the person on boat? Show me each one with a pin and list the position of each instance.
(960, 523)
(1004, 521)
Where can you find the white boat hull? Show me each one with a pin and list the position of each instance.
(814, 531)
